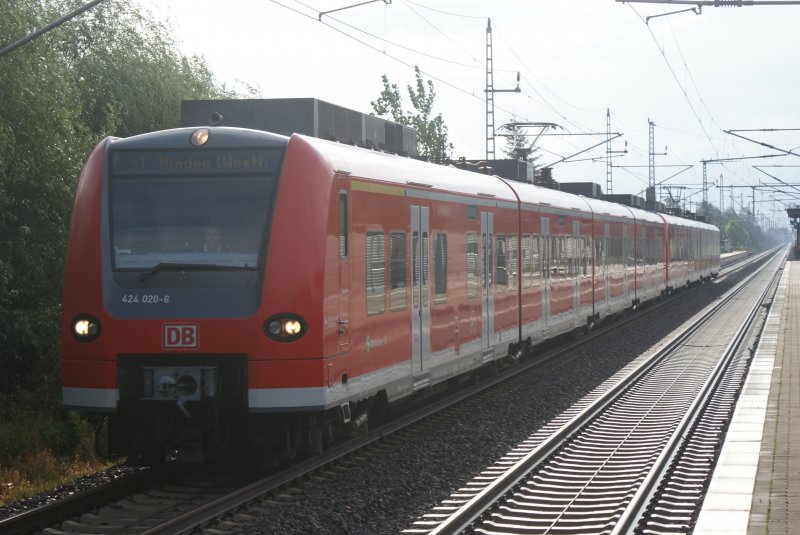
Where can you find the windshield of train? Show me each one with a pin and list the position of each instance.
(191, 208)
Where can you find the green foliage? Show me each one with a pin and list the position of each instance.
(518, 145)
(431, 131)
(743, 230)
(41, 145)
(739, 232)
(111, 71)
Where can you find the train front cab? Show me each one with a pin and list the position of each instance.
(163, 290)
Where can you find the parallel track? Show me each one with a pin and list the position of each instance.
(596, 468)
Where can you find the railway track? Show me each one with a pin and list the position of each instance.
(631, 456)
(180, 506)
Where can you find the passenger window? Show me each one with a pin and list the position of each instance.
(536, 258)
(527, 260)
(439, 268)
(415, 269)
(502, 268)
(376, 273)
(512, 261)
(587, 253)
(570, 256)
(425, 269)
(398, 279)
(558, 257)
(487, 255)
(472, 265)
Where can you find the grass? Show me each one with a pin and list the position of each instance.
(40, 471)
(42, 445)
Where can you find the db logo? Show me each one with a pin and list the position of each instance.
(180, 336)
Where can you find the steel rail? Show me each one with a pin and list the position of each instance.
(467, 514)
(644, 494)
(63, 509)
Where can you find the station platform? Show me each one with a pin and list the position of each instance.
(755, 489)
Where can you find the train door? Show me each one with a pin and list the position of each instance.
(344, 276)
(577, 253)
(545, 274)
(487, 280)
(420, 289)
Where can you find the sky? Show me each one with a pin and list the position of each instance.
(695, 76)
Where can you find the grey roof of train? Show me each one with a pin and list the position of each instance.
(364, 162)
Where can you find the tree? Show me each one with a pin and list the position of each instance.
(518, 144)
(111, 71)
(431, 131)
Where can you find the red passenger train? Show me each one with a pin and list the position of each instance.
(225, 284)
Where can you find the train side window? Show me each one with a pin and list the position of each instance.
(376, 272)
(398, 278)
(567, 257)
(512, 262)
(439, 267)
(472, 265)
(527, 260)
(487, 256)
(415, 269)
(570, 255)
(501, 277)
(599, 258)
(425, 269)
(536, 258)
(587, 253)
(490, 256)
(558, 257)
(342, 225)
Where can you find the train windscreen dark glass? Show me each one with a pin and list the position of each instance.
(174, 208)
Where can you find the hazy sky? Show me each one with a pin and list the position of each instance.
(693, 75)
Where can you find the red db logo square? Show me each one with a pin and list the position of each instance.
(180, 336)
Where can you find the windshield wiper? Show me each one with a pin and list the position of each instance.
(179, 266)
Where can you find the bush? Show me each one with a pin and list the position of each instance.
(111, 71)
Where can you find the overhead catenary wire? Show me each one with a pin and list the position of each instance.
(69, 16)
(677, 81)
(533, 87)
(368, 45)
(544, 101)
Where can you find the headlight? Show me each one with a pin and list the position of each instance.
(85, 328)
(285, 327)
(200, 137)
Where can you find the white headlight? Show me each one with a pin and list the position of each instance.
(286, 327)
(82, 328)
(85, 328)
(292, 327)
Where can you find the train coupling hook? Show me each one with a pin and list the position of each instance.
(181, 404)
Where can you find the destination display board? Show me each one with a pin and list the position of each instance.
(196, 162)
